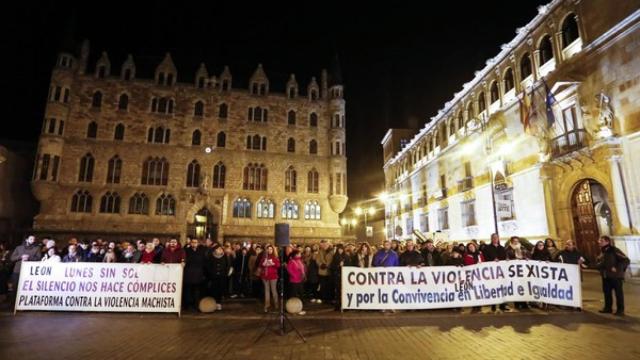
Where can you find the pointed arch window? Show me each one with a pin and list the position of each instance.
(86, 168)
(313, 181)
(139, 204)
(123, 102)
(265, 209)
(290, 209)
(114, 170)
(193, 174)
(242, 208)
(110, 203)
(96, 100)
(166, 205)
(219, 172)
(81, 202)
(118, 134)
(290, 179)
(312, 210)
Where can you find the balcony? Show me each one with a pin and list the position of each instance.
(568, 142)
(465, 184)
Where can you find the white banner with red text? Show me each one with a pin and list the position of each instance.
(399, 288)
(108, 287)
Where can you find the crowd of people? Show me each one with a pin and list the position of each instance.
(310, 272)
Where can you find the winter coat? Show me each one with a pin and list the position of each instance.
(72, 258)
(194, 266)
(218, 266)
(431, 258)
(364, 261)
(411, 258)
(32, 250)
(511, 253)
(312, 271)
(323, 259)
(570, 257)
(296, 271)
(541, 255)
(451, 261)
(172, 256)
(269, 265)
(612, 257)
(148, 257)
(384, 258)
(241, 265)
(93, 257)
(470, 259)
(494, 252)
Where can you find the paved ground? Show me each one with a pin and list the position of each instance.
(231, 334)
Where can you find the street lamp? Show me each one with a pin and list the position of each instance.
(369, 211)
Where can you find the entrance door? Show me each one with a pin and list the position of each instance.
(203, 227)
(584, 220)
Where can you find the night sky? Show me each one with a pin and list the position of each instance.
(400, 63)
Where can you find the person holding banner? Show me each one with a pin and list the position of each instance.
(515, 251)
(612, 263)
(471, 257)
(386, 257)
(495, 252)
(364, 256)
(72, 255)
(430, 254)
(173, 253)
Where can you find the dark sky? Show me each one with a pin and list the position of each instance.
(400, 62)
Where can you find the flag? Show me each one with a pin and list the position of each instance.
(550, 100)
(525, 110)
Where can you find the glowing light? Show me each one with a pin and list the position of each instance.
(344, 222)
(372, 210)
(384, 196)
(358, 211)
(354, 222)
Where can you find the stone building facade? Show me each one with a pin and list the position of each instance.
(122, 156)
(571, 78)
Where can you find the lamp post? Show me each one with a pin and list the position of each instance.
(370, 211)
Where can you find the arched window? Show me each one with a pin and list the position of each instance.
(312, 210)
(193, 174)
(86, 168)
(508, 80)
(314, 94)
(452, 127)
(219, 171)
(198, 109)
(481, 105)
(313, 120)
(139, 204)
(313, 147)
(161, 78)
(123, 102)
(291, 117)
(92, 130)
(159, 135)
(221, 139)
(256, 142)
(460, 120)
(470, 114)
(546, 50)
(110, 203)
(114, 169)
(96, 101)
(163, 105)
(196, 137)
(265, 209)
(166, 205)
(290, 180)
(223, 110)
(525, 66)
(81, 202)
(570, 31)
(155, 171)
(290, 209)
(242, 208)
(119, 132)
(291, 145)
(257, 114)
(313, 181)
(495, 93)
(255, 177)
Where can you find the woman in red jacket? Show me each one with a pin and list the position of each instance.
(473, 256)
(269, 265)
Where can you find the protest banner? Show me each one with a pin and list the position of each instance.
(108, 287)
(439, 287)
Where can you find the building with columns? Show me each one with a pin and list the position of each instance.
(571, 78)
(122, 156)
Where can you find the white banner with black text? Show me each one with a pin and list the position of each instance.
(109, 287)
(439, 287)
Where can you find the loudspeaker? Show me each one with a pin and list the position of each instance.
(282, 235)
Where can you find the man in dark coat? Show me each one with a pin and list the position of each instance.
(411, 256)
(430, 254)
(495, 252)
(194, 273)
(612, 264)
